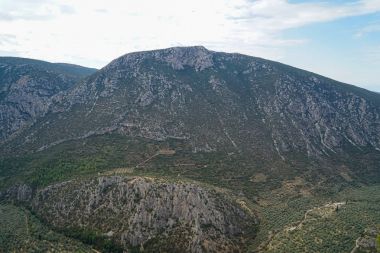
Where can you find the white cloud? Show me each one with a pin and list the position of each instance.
(11, 10)
(94, 32)
(280, 14)
(371, 28)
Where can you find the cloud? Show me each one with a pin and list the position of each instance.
(9, 45)
(7, 39)
(92, 33)
(66, 9)
(107, 29)
(276, 15)
(101, 10)
(298, 14)
(371, 28)
(32, 10)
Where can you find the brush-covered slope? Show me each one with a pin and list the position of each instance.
(278, 139)
(27, 88)
(238, 105)
(217, 101)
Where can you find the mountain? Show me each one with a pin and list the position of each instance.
(251, 109)
(263, 142)
(134, 211)
(27, 88)
(244, 104)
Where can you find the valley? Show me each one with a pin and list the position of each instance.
(186, 150)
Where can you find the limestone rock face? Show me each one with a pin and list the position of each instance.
(20, 193)
(368, 242)
(28, 88)
(139, 211)
(218, 102)
(178, 58)
(291, 122)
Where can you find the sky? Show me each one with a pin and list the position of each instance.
(339, 39)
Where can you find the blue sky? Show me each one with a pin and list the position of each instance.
(339, 39)
(346, 49)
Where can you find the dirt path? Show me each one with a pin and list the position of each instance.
(166, 152)
(27, 228)
(147, 160)
(331, 207)
(356, 245)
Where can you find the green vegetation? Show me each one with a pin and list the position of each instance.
(102, 153)
(263, 118)
(71, 159)
(20, 231)
(324, 230)
(277, 204)
(91, 237)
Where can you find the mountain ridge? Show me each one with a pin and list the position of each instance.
(206, 50)
(27, 88)
(200, 60)
(247, 108)
(210, 151)
(56, 66)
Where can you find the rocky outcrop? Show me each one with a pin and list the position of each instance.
(144, 211)
(315, 116)
(368, 242)
(198, 58)
(218, 102)
(20, 193)
(240, 107)
(28, 88)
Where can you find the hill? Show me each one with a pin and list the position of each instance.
(272, 144)
(27, 88)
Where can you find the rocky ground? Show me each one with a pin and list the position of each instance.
(144, 212)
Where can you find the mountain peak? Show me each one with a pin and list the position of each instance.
(178, 58)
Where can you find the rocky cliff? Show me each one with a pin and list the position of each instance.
(144, 212)
(258, 128)
(217, 101)
(28, 88)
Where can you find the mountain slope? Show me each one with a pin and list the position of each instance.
(222, 101)
(278, 140)
(27, 88)
(135, 211)
(258, 110)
